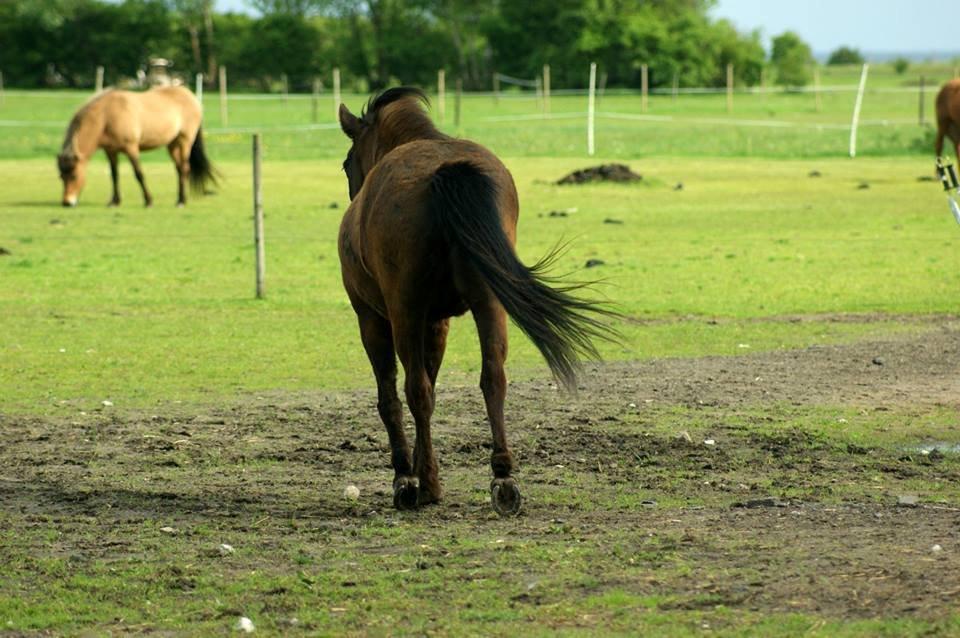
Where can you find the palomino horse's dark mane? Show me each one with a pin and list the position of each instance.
(405, 121)
(69, 149)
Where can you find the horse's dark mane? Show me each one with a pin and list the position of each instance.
(406, 121)
(380, 100)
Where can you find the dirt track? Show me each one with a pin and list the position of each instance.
(772, 516)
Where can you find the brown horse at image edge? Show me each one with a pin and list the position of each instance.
(430, 234)
(128, 122)
(948, 117)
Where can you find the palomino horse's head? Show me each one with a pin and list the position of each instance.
(379, 130)
(73, 174)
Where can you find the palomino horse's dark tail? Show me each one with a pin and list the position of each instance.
(202, 171)
(562, 326)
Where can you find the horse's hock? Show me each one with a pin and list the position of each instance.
(602, 173)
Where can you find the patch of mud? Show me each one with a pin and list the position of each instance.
(650, 511)
(602, 173)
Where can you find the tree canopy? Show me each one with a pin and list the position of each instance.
(381, 42)
(845, 55)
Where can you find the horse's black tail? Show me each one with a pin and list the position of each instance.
(561, 325)
(202, 171)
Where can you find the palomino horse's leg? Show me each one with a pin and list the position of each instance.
(115, 177)
(378, 342)
(134, 154)
(409, 336)
(181, 161)
(491, 323)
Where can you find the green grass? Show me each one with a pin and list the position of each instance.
(775, 124)
(153, 310)
(140, 306)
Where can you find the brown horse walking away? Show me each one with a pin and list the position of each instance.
(128, 122)
(430, 234)
(948, 117)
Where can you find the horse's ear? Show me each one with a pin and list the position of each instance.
(349, 122)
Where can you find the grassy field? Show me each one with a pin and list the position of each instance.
(152, 409)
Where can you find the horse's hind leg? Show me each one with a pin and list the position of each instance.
(134, 154)
(115, 178)
(410, 337)
(375, 332)
(491, 323)
(180, 154)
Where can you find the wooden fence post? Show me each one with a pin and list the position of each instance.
(729, 88)
(198, 91)
(644, 87)
(284, 86)
(496, 88)
(591, 107)
(98, 83)
(441, 95)
(223, 95)
(316, 99)
(258, 216)
(336, 94)
(546, 88)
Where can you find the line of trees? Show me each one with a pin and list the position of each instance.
(380, 42)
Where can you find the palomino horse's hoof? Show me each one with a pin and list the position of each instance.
(405, 493)
(505, 496)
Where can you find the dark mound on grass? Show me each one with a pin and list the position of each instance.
(602, 173)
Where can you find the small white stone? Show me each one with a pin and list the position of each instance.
(936, 548)
(351, 492)
(245, 624)
(107, 403)
(709, 442)
(168, 530)
(632, 405)
(226, 550)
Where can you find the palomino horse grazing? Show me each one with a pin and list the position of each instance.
(127, 122)
(430, 234)
(948, 116)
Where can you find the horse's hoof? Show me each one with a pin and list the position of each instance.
(505, 496)
(405, 493)
(427, 496)
(113, 203)
(180, 205)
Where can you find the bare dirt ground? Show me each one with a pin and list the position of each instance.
(804, 502)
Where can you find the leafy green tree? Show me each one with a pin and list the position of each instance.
(845, 55)
(524, 36)
(792, 58)
(900, 65)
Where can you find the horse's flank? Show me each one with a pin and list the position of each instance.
(118, 120)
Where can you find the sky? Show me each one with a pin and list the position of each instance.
(877, 26)
(892, 26)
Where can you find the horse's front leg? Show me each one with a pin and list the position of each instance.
(491, 323)
(115, 177)
(134, 154)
